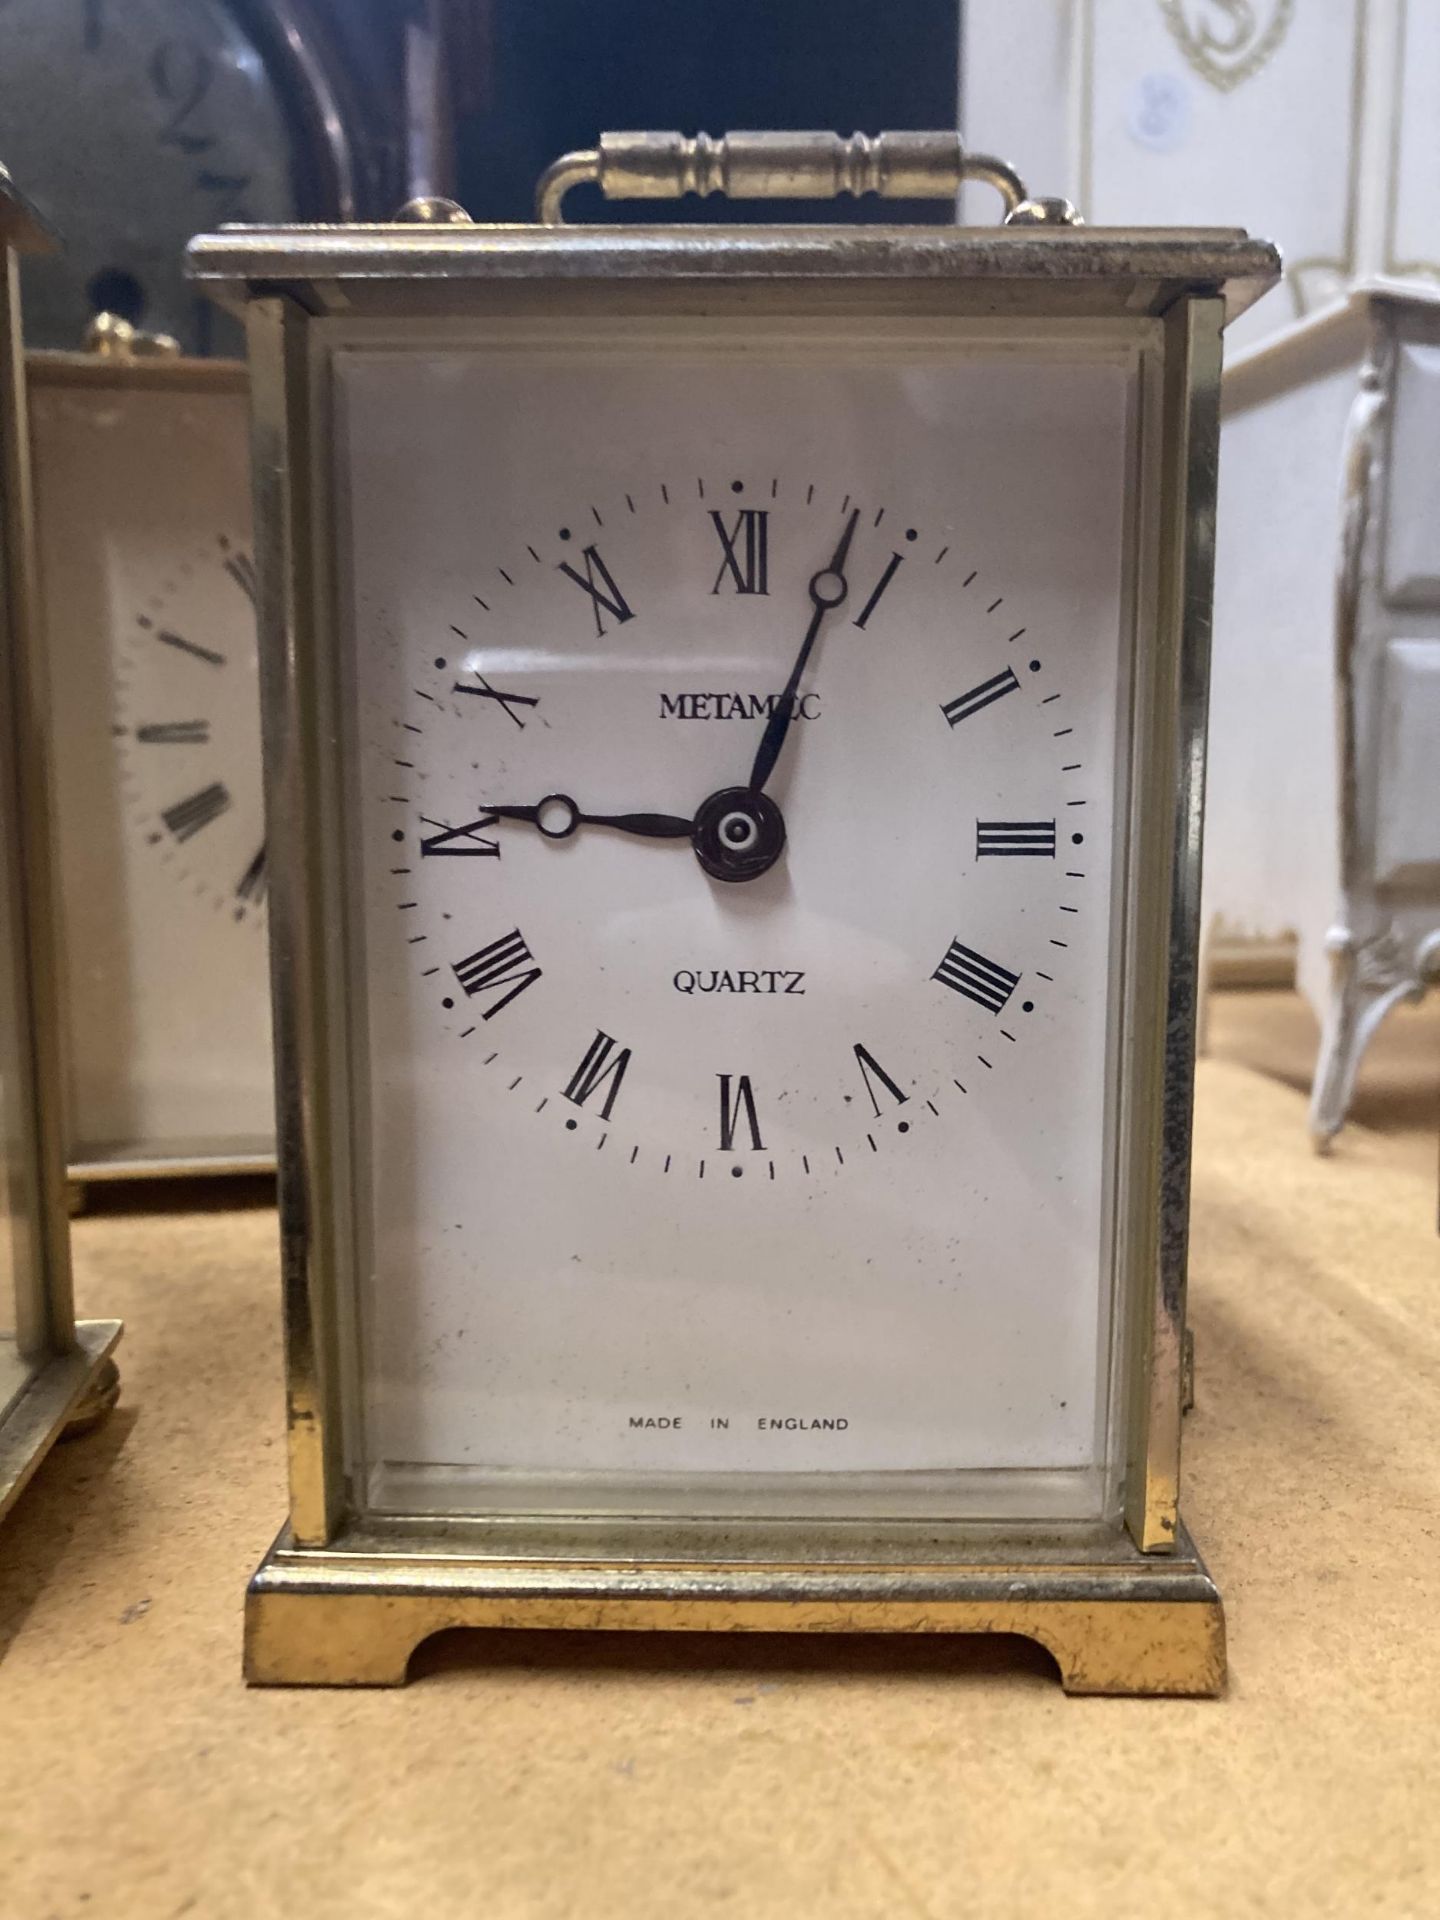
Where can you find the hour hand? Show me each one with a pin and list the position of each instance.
(557, 817)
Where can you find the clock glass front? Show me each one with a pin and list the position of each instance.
(147, 578)
(735, 740)
(21, 1321)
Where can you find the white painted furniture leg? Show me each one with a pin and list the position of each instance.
(1368, 980)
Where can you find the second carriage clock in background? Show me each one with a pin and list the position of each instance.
(734, 720)
(147, 596)
(56, 1374)
(143, 123)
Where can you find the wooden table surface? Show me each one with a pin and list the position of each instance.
(565, 1775)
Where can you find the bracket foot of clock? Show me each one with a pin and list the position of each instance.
(1119, 1622)
(96, 1404)
(70, 1396)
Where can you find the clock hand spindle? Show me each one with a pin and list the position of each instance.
(827, 590)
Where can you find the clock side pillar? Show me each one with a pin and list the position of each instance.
(1171, 711)
(286, 473)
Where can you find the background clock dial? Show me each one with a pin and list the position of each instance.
(649, 1140)
(188, 721)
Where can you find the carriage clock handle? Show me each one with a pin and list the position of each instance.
(789, 166)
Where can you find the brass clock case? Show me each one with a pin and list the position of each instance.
(345, 1596)
(55, 1371)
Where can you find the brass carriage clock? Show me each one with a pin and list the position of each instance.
(734, 711)
(146, 596)
(55, 1372)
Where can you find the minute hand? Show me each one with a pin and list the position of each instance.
(827, 590)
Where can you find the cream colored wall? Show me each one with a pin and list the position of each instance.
(1311, 124)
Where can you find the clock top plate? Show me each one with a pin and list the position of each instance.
(1084, 271)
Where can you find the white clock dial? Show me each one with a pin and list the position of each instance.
(734, 771)
(188, 722)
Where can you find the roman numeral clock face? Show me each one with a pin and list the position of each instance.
(733, 766)
(187, 725)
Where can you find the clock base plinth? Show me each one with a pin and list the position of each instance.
(1116, 1621)
(70, 1396)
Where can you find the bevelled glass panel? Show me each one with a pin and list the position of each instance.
(681, 1188)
